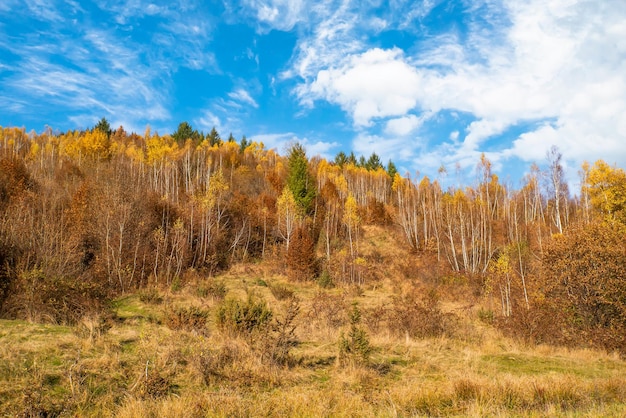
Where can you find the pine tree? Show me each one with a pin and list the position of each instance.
(185, 132)
(391, 169)
(104, 127)
(299, 181)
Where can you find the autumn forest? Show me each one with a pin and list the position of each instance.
(89, 217)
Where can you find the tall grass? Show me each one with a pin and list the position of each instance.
(189, 355)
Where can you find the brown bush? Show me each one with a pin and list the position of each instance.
(213, 365)
(156, 384)
(188, 319)
(302, 262)
(212, 288)
(543, 323)
(36, 297)
(328, 309)
(276, 345)
(581, 295)
(15, 179)
(281, 292)
(416, 314)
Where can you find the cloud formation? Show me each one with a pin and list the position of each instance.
(97, 68)
(375, 84)
(561, 62)
(425, 83)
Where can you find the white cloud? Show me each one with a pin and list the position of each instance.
(403, 126)
(44, 10)
(387, 148)
(241, 95)
(277, 14)
(477, 131)
(209, 121)
(6, 5)
(97, 70)
(377, 83)
(330, 37)
(561, 61)
(409, 11)
(321, 148)
(152, 9)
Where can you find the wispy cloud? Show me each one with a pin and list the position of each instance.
(228, 114)
(44, 10)
(208, 121)
(241, 95)
(96, 69)
(275, 14)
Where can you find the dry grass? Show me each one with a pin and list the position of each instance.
(132, 364)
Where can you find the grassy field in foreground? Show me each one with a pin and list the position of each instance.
(161, 353)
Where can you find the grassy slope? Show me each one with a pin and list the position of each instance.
(132, 364)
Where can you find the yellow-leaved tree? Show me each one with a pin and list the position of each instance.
(93, 145)
(605, 187)
(287, 215)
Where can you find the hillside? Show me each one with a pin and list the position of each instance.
(184, 275)
(166, 352)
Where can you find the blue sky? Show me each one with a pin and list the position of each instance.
(423, 83)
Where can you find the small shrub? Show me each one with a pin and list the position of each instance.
(37, 297)
(325, 281)
(355, 347)
(243, 318)
(281, 292)
(188, 319)
(235, 364)
(417, 315)
(543, 323)
(329, 309)
(156, 385)
(486, 315)
(373, 318)
(213, 364)
(282, 339)
(150, 295)
(214, 289)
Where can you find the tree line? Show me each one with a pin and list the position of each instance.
(85, 215)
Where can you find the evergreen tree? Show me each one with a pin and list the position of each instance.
(185, 132)
(352, 159)
(299, 181)
(391, 169)
(373, 163)
(214, 137)
(244, 143)
(104, 127)
(341, 159)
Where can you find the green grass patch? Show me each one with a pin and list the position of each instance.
(521, 364)
(22, 329)
(131, 307)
